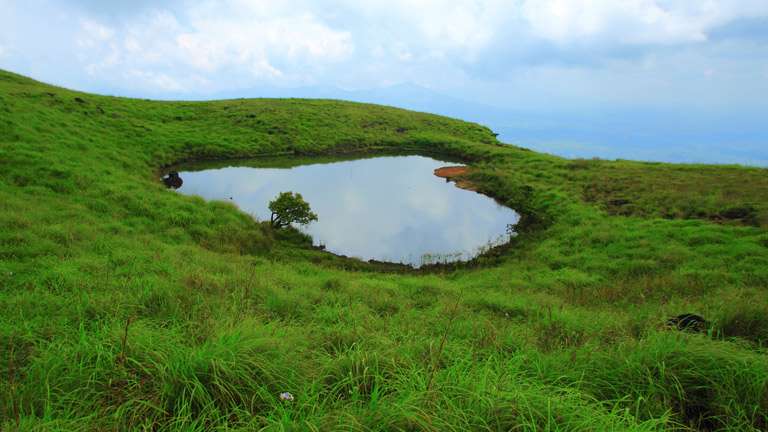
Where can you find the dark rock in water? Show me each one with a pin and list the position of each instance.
(688, 322)
(172, 180)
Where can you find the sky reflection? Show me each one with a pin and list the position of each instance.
(386, 208)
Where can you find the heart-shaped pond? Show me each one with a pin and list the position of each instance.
(390, 208)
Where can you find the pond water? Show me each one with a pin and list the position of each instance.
(390, 208)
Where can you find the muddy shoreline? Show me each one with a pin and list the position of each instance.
(456, 174)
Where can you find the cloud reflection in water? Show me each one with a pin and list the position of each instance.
(385, 208)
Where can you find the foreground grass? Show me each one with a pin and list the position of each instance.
(125, 306)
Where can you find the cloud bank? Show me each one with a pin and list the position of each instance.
(505, 53)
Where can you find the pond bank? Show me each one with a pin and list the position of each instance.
(456, 174)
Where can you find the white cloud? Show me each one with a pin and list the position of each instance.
(240, 38)
(552, 47)
(462, 25)
(158, 80)
(94, 33)
(239, 43)
(432, 26)
(218, 42)
(110, 60)
(634, 21)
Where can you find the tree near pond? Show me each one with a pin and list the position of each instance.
(288, 208)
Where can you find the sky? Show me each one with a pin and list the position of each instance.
(676, 80)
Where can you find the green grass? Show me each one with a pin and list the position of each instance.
(124, 306)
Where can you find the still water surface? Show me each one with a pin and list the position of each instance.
(389, 208)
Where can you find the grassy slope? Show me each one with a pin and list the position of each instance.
(123, 305)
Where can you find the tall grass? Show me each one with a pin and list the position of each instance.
(124, 306)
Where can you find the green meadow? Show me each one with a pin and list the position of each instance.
(126, 306)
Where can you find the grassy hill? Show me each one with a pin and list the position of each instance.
(124, 306)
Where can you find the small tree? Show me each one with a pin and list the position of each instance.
(288, 208)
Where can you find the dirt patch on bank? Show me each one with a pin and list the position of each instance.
(456, 174)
